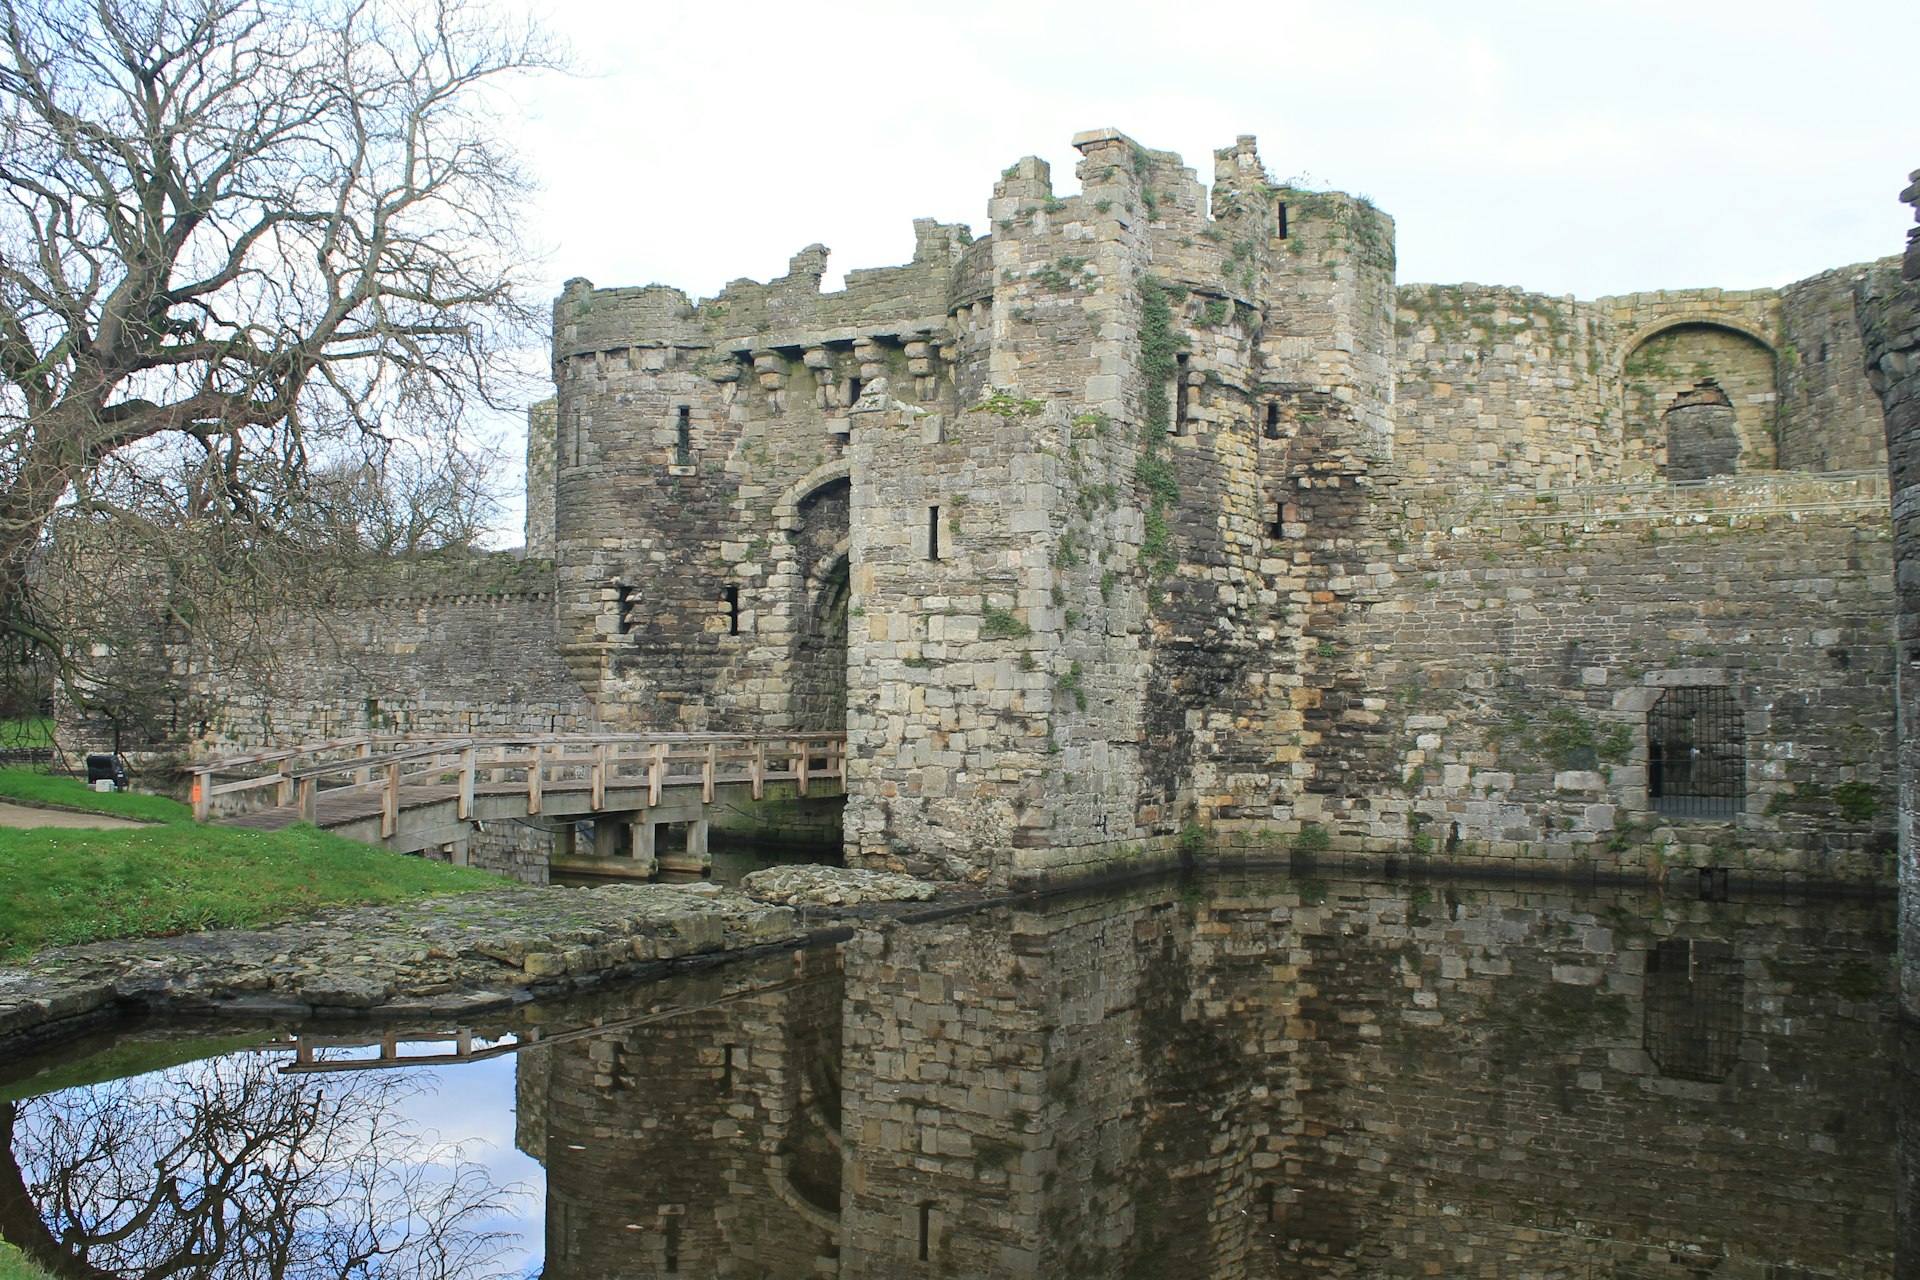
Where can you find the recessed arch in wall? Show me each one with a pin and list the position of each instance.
(1682, 319)
(819, 534)
(822, 525)
(786, 510)
(1690, 363)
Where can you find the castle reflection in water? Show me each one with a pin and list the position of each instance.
(1254, 1077)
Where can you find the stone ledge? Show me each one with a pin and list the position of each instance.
(437, 956)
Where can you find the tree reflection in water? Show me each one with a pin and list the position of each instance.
(227, 1169)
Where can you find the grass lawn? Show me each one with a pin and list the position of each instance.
(48, 788)
(15, 1267)
(61, 886)
(36, 732)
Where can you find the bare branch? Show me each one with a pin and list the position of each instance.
(275, 220)
(226, 1169)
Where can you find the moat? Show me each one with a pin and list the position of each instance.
(1252, 1074)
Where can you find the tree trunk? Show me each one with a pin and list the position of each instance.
(20, 1221)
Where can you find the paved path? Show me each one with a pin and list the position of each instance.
(17, 815)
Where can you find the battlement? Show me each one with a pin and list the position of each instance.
(788, 311)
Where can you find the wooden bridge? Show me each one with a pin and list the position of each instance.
(414, 794)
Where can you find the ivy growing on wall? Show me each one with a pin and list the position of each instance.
(1159, 363)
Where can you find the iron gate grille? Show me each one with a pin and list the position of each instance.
(1694, 993)
(1696, 754)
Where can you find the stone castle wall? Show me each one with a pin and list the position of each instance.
(443, 645)
(1520, 656)
(1823, 397)
(1889, 308)
(452, 653)
(997, 651)
(1499, 386)
(1483, 685)
(1041, 591)
(537, 531)
(518, 849)
(701, 517)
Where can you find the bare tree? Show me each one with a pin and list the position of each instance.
(244, 246)
(226, 1169)
(403, 502)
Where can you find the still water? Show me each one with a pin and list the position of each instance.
(1249, 1076)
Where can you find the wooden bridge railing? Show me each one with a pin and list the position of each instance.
(317, 1051)
(535, 765)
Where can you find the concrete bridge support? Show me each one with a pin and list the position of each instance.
(645, 828)
(628, 844)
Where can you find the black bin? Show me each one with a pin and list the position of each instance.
(103, 766)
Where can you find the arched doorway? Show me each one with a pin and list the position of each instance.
(820, 541)
(1702, 433)
(820, 678)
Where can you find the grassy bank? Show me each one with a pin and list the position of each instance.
(34, 732)
(46, 788)
(60, 886)
(13, 1266)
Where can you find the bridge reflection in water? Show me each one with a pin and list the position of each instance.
(1249, 1077)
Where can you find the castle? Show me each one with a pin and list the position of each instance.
(1149, 508)
(1160, 514)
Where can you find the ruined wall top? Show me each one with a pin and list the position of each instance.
(1910, 268)
(791, 310)
(1306, 276)
(1122, 182)
(788, 311)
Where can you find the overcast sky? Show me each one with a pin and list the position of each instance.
(1567, 148)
